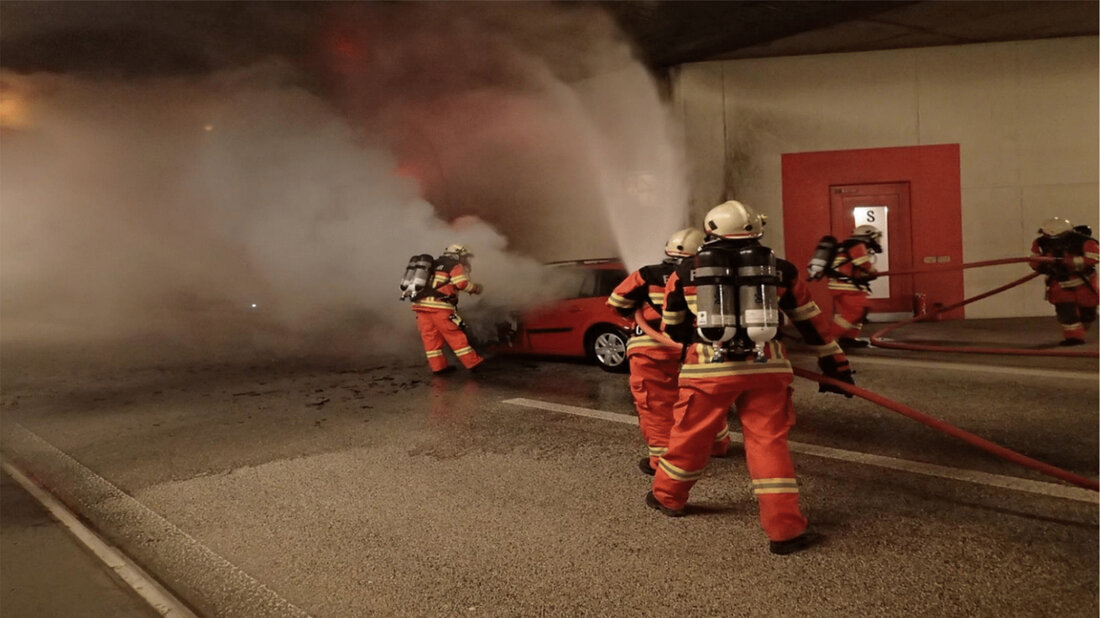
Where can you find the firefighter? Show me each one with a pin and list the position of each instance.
(436, 310)
(654, 366)
(741, 364)
(1071, 281)
(849, 276)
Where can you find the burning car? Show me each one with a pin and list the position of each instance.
(581, 325)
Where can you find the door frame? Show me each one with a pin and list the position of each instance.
(935, 200)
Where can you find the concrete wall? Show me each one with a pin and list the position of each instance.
(1023, 113)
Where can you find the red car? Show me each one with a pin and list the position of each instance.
(580, 326)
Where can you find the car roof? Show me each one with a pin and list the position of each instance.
(596, 264)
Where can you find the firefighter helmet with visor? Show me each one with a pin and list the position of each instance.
(685, 243)
(734, 220)
(1055, 226)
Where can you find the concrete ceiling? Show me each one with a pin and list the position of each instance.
(148, 38)
(670, 33)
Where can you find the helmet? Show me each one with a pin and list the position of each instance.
(684, 243)
(1055, 226)
(870, 235)
(459, 251)
(868, 231)
(733, 219)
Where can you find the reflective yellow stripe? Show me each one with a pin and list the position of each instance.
(805, 312)
(657, 299)
(861, 260)
(435, 304)
(844, 287)
(618, 301)
(460, 279)
(463, 351)
(644, 341)
(827, 349)
(1072, 282)
(440, 279)
(1069, 327)
(433, 353)
(775, 486)
(1093, 256)
(672, 318)
(722, 434)
(679, 474)
(656, 451)
(740, 368)
(840, 321)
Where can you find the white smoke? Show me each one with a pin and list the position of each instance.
(244, 209)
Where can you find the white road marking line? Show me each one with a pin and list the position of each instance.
(145, 586)
(1016, 371)
(265, 602)
(1056, 490)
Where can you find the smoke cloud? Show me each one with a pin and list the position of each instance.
(244, 208)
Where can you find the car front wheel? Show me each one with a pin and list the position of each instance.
(608, 348)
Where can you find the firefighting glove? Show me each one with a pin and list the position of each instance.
(475, 288)
(836, 367)
(457, 320)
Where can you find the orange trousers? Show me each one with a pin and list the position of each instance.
(436, 328)
(654, 385)
(764, 405)
(849, 312)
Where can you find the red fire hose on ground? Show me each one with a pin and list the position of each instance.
(878, 341)
(920, 417)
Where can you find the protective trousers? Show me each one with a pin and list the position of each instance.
(1075, 307)
(436, 328)
(849, 312)
(654, 385)
(764, 406)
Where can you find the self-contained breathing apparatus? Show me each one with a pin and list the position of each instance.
(822, 259)
(416, 276)
(737, 302)
(1062, 245)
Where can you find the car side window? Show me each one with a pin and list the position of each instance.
(607, 281)
(589, 284)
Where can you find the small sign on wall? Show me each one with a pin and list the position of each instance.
(876, 216)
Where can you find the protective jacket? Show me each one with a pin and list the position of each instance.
(653, 365)
(1070, 281)
(761, 392)
(852, 269)
(449, 275)
(1072, 278)
(437, 318)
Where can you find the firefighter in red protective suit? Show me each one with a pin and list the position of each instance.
(736, 360)
(850, 276)
(1071, 281)
(654, 366)
(436, 310)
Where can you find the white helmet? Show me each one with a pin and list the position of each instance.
(733, 219)
(868, 231)
(458, 251)
(685, 243)
(1055, 226)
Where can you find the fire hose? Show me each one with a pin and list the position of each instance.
(878, 341)
(920, 417)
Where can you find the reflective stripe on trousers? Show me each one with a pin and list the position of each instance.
(764, 407)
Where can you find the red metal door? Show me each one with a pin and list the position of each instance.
(885, 206)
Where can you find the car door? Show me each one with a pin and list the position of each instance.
(557, 327)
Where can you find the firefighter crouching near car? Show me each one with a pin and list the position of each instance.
(436, 310)
(724, 307)
(654, 366)
(1071, 281)
(849, 276)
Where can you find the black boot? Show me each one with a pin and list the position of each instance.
(643, 465)
(653, 503)
(790, 546)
